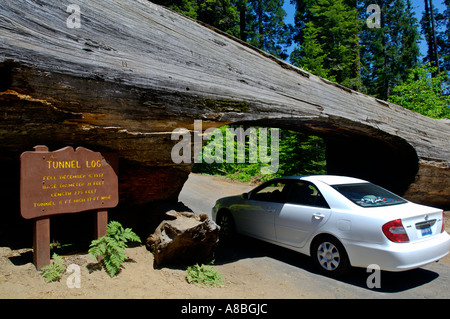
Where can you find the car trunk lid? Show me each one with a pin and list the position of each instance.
(424, 225)
(420, 222)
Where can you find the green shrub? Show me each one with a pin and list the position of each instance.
(111, 247)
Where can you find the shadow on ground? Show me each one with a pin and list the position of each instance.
(73, 233)
(242, 247)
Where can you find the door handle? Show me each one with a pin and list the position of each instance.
(318, 216)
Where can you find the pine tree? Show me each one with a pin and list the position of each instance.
(302, 16)
(410, 51)
(222, 14)
(310, 56)
(443, 38)
(242, 6)
(429, 24)
(444, 43)
(333, 27)
(265, 26)
(425, 24)
(388, 53)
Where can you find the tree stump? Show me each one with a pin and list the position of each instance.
(185, 240)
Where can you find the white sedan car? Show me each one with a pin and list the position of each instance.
(339, 221)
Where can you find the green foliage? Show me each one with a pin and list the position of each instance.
(219, 14)
(310, 56)
(264, 26)
(444, 38)
(55, 270)
(204, 275)
(299, 154)
(111, 247)
(388, 53)
(329, 45)
(423, 93)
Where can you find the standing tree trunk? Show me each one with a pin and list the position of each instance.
(433, 32)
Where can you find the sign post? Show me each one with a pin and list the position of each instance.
(60, 182)
(41, 241)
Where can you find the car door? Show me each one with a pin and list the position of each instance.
(305, 211)
(256, 217)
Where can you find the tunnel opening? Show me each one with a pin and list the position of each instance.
(297, 153)
(338, 148)
(390, 165)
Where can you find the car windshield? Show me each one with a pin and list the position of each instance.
(368, 195)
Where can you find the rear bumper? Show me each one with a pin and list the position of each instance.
(399, 256)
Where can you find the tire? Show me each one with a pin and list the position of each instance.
(330, 256)
(227, 226)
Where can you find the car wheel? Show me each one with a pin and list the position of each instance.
(330, 256)
(226, 222)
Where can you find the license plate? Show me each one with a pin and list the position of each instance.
(426, 231)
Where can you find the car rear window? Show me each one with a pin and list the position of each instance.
(368, 195)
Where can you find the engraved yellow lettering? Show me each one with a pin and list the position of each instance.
(93, 164)
(58, 194)
(64, 164)
(42, 204)
(49, 186)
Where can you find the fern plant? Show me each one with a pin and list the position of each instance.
(55, 270)
(111, 247)
(204, 275)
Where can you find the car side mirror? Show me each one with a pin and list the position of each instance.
(245, 196)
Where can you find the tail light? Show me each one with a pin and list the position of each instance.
(443, 222)
(395, 231)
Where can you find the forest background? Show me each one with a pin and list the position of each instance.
(332, 39)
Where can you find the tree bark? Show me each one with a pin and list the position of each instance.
(135, 71)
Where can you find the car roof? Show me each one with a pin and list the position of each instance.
(328, 179)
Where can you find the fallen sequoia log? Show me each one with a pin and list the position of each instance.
(185, 240)
(134, 71)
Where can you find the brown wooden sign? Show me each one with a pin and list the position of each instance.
(65, 181)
